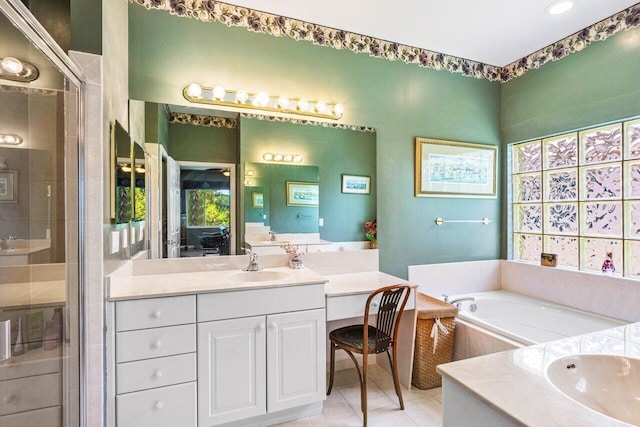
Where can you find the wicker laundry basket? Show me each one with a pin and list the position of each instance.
(425, 359)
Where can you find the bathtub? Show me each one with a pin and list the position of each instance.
(505, 320)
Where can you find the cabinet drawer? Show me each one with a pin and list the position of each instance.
(155, 312)
(50, 417)
(255, 302)
(157, 342)
(160, 407)
(152, 373)
(26, 394)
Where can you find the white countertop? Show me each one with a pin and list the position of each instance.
(358, 283)
(514, 383)
(25, 247)
(32, 294)
(278, 243)
(190, 282)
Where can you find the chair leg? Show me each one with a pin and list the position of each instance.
(363, 390)
(394, 374)
(332, 367)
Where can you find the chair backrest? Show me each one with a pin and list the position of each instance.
(389, 314)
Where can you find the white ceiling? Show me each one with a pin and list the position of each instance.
(495, 32)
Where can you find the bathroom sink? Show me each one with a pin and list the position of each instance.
(257, 276)
(607, 384)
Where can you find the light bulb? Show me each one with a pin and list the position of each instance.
(194, 90)
(249, 172)
(226, 172)
(125, 168)
(559, 7)
(10, 139)
(277, 157)
(261, 99)
(283, 102)
(140, 169)
(12, 65)
(303, 104)
(219, 93)
(288, 157)
(337, 110)
(297, 158)
(320, 107)
(268, 157)
(242, 96)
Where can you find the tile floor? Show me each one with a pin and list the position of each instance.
(342, 408)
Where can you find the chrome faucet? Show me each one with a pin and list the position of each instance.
(253, 262)
(272, 236)
(458, 301)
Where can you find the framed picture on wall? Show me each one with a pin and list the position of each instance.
(257, 200)
(8, 186)
(356, 184)
(454, 169)
(303, 193)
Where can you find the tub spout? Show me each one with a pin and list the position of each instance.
(458, 301)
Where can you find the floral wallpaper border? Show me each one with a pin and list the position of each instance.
(279, 26)
(202, 120)
(309, 122)
(28, 90)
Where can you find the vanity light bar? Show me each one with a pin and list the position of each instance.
(261, 101)
(286, 158)
(10, 139)
(18, 71)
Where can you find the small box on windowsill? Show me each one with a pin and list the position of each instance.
(548, 260)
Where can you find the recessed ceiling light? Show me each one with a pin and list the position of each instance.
(560, 7)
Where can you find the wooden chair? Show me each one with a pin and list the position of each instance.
(378, 338)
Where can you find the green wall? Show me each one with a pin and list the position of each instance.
(86, 26)
(401, 101)
(334, 152)
(598, 85)
(156, 124)
(203, 143)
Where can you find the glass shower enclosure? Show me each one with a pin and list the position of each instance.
(40, 262)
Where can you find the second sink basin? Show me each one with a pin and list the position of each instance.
(257, 276)
(604, 383)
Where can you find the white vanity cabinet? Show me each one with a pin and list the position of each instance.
(260, 353)
(155, 362)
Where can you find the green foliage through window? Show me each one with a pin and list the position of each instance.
(207, 208)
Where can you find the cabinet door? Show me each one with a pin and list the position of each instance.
(231, 370)
(296, 353)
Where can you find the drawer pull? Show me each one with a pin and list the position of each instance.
(156, 314)
(375, 304)
(260, 327)
(156, 345)
(272, 325)
(157, 374)
(159, 405)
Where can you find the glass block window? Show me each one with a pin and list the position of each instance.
(577, 195)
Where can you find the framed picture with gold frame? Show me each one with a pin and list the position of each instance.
(454, 169)
(303, 193)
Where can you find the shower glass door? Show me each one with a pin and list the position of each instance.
(39, 236)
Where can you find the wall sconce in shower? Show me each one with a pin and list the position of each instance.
(261, 101)
(19, 71)
(286, 158)
(10, 139)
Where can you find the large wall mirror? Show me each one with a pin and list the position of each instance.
(210, 137)
(129, 195)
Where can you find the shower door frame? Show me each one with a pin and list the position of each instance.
(22, 18)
